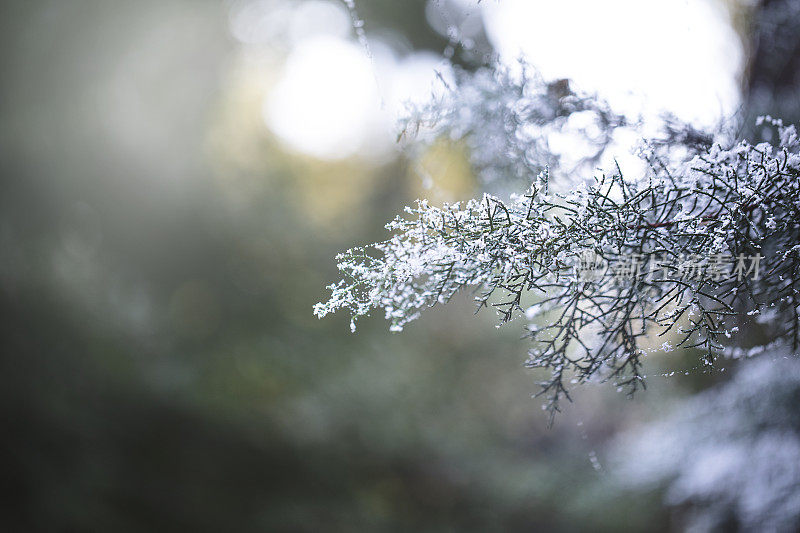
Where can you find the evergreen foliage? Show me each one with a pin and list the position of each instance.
(702, 244)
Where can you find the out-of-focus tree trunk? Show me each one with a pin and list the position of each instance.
(772, 82)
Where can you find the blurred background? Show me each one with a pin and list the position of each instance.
(177, 177)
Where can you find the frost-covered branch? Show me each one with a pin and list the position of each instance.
(664, 239)
(509, 122)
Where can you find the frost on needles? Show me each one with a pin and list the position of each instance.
(521, 255)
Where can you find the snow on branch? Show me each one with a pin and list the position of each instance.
(700, 243)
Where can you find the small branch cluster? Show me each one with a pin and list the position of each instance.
(508, 121)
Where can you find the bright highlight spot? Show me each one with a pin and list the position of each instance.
(334, 102)
(326, 99)
(682, 57)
